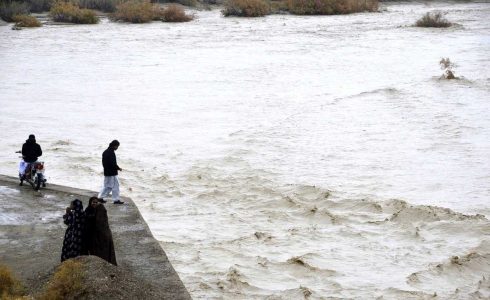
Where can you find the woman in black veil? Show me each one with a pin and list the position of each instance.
(74, 234)
(98, 235)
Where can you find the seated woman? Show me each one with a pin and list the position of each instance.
(98, 235)
(73, 241)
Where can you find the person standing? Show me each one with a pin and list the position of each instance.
(73, 241)
(111, 181)
(89, 236)
(98, 236)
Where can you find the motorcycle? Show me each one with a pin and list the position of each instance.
(33, 174)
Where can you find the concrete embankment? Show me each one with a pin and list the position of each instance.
(32, 230)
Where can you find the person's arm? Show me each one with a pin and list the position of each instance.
(115, 163)
(68, 216)
(39, 151)
(23, 149)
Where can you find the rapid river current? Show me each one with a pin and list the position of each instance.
(282, 157)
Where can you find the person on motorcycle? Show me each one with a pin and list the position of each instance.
(30, 153)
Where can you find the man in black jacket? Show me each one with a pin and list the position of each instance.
(30, 152)
(111, 182)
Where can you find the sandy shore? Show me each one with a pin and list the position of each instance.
(31, 235)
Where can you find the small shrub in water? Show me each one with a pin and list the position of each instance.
(246, 8)
(26, 21)
(330, 7)
(10, 287)
(175, 13)
(447, 66)
(136, 12)
(71, 13)
(433, 20)
(67, 281)
(9, 9)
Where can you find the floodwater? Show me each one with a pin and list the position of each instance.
(282, 157)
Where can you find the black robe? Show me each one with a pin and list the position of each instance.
(103, 246)
(73, 241)
(89, 234)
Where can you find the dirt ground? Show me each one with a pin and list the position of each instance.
(32, 230)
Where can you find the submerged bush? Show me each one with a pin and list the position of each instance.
(447, 65)
(10, 286)
(9, 9)
(175, 13)
(330, 7)
(26, 21)
(71, 13)
(67, 281)
(246, 8)
(102, 5)
(433, 20)
(137, 12)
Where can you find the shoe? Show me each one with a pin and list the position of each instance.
(118, 202)
(101, 200)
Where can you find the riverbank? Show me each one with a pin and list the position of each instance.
(31, 235)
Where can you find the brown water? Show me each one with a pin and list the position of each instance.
(280, 157)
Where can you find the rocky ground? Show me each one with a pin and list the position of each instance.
(103, 281)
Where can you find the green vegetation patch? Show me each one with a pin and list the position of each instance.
(331, 7)
(175, 13)
(136, 12)
(67, 282)
(10, 286)
(71, 13)
(26, 21)
(246, 8)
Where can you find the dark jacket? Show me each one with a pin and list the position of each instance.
(109, 162)
(31, 151)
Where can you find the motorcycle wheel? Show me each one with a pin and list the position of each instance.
(39, 180)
